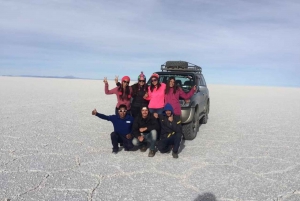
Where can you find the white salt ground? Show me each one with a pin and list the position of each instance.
(52, 148)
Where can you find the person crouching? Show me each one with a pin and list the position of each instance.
(122, 123)
(171, 131)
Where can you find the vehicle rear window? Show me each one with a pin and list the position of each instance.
(186, 82)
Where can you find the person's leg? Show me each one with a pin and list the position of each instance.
(135, 111)
(176, 140)
(127, 143)
(114, 140)
(143, 144)
(164, 145)
(151, 138)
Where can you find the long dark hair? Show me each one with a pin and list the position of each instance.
(124, 94)
(168, 88)
(152, 86)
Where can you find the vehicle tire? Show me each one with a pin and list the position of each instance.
(191, 129)
(205, 117)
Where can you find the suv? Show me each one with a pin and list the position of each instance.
(195, 111)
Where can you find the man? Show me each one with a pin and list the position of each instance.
(122, 123)
(171, 131)
(144, 130)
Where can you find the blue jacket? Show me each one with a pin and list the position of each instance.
(121, 126)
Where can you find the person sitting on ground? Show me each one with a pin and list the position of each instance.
(171, 131)
(123, 93)
(144, 130)
(122, 128)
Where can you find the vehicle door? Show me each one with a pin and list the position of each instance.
(203, 91)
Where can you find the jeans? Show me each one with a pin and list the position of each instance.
(148, 137)
(117, 138)
(164, 144)
(156, 110)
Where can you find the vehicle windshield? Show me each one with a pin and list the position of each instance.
(186, 81)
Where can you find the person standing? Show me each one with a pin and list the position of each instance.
(172, 94)
(156, 94)
(123, 93)
(122, 133)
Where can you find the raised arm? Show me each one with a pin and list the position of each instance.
(188, 95)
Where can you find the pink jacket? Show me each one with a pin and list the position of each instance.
(157, 97)
(120, 101)
(173, 99)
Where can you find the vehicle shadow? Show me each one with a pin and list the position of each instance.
(182, 145)
(206, 197)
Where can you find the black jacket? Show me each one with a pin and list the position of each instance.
(169, 128)
(139, 122)
(137, 96)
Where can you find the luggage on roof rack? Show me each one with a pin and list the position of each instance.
(180, 66)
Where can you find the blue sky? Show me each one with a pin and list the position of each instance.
(236, 42)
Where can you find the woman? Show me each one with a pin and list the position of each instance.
(138, 91)
(156, 95)
(172, 94)
(123, 93)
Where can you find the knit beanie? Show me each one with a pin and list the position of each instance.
(155, 75)
(142, 76)
(126, 78)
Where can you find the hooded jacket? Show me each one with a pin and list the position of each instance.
(139, 122)
(121, 126)
(169, 128)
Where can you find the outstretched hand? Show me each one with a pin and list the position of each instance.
(105, 80)
(94, 112)
(116, 78)
(195, 87)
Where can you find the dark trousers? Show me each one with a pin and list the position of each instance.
(117, 138)
(164, 144)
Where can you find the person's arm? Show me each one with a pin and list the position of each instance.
(176, 124)
(112, 91)
(101, 116)
(188, 95)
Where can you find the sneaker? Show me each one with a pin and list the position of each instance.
(151, 153)
(114, 151)
(175, 155)
(143, 148)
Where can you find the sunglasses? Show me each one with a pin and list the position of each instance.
(141, 80)
(122, 110)
(125, 82)
(153, 80)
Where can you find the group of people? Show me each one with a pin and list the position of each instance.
(146, 114)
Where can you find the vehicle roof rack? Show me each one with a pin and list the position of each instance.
(180, 66)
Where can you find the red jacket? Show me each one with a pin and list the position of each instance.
(126, 101)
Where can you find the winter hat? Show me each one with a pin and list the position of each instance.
(126, 78)
(155, 75)
(142, 76)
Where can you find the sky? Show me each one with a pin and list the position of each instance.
(236, 42)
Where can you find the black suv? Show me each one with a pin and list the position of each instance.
(194, 112)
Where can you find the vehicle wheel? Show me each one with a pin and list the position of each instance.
(190, 130)
(205, 117)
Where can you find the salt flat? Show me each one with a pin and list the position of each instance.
(52, 148)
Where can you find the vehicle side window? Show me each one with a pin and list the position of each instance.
(202, 81)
